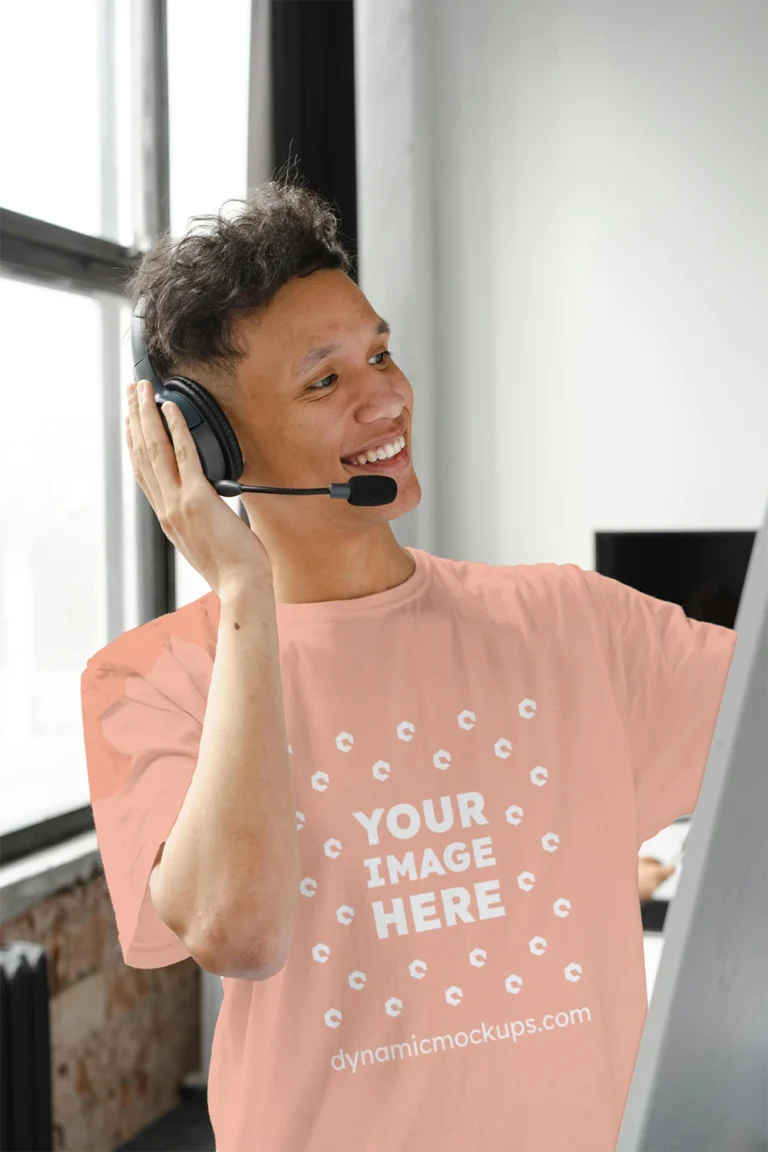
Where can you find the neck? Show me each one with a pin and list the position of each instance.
(334, 566)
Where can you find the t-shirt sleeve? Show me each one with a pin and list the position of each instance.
(668, 674)
(141, 746)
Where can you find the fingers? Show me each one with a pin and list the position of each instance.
(153, 462)
(137, 447)
(163, 461)
(183, 446)
(159, 446)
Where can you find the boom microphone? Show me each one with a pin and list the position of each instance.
(362, 491)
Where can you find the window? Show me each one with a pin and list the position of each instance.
(208, 112)
(53, 575)
(97, 158)
(65, 88)
(69, 219)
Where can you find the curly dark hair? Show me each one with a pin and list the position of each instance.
(223, 268)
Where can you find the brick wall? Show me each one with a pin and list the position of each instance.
(122, 1038)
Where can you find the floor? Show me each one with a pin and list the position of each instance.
(185, 1129)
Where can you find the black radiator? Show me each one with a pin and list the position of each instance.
(26, 1123)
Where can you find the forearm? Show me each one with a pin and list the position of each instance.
(229, 874)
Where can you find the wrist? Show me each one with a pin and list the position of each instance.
(244, 588)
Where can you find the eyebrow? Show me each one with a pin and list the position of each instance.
(314, 356)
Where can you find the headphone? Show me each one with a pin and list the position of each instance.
(217, 446)
(220, 456)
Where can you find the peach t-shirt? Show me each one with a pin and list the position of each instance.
(477, 756)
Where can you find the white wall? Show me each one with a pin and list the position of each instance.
(595, 232)
(394, 193)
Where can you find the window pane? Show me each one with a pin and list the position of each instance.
(208, 123)
(65, 137)
(52, 544)
(217, 113)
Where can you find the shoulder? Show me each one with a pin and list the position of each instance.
(146, 690)
(528, 585)
(137, 650)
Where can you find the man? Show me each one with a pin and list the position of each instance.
(394, 800)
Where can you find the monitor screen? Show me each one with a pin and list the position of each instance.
(703, 572)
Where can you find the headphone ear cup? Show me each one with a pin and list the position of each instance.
(217, 446)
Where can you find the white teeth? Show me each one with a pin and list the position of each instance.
(386, 452)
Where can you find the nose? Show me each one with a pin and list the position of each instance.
(381, 399)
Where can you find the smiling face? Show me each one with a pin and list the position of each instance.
(318, 387)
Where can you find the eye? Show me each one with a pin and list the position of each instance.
(323, 384)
